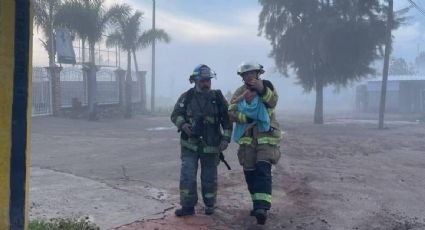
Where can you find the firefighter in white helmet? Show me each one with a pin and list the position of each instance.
(258, 134)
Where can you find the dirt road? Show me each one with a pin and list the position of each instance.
(345, 174)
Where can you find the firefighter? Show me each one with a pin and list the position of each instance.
(258, 134)
(200, 114)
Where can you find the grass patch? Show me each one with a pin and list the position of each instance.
(62, 224)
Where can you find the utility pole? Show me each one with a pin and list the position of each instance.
(386, 64)
(153, 62)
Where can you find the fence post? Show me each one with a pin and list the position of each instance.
(120, 76)
(141, 77)
(91, 70)
(55, 91)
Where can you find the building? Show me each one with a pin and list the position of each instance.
(405, 94)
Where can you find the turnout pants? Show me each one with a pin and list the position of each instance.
(257, 162)
(188, 177)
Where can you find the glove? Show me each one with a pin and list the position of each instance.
(186, 128)
(223, 145)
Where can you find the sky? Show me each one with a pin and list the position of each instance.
(223, 34)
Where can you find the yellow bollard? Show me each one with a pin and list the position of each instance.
(15, 114)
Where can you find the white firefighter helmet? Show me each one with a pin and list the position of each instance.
(250, 66)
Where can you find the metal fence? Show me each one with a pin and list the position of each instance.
(41, 92)
(103, 55)
(72, 85)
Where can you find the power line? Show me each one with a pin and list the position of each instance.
(412, 3)
(422, 11)
(420, 4)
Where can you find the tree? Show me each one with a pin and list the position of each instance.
(399, 66)
(127, 36)
(44, 18)
(326, 42)
(146, 39)
(88, 19)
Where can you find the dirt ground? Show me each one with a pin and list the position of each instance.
(345, 174)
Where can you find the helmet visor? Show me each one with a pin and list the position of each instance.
(205, 73)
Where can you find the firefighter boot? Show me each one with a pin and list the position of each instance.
(261, 216)
(185, 211)
(252, 212)
(209, 210)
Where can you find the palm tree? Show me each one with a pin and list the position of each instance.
(44, 16)
(88, 19)
(146, 39)
(128, 37)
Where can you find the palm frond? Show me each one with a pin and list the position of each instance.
(44, 44)
(149, 36)
(117, 13)
(114, 39)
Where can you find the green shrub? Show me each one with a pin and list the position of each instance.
(62, 224)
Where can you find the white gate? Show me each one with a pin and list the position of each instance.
(41, 92)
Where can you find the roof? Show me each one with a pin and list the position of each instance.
(399, 78)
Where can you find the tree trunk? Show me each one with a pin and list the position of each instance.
(318, 112)
(51, 50)
(53, 71)
(83, 50)
(92, 85)
(50, 38)
(135, 61)
(128, 84)
(92, 53)
(386, 65)
(83, 60)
